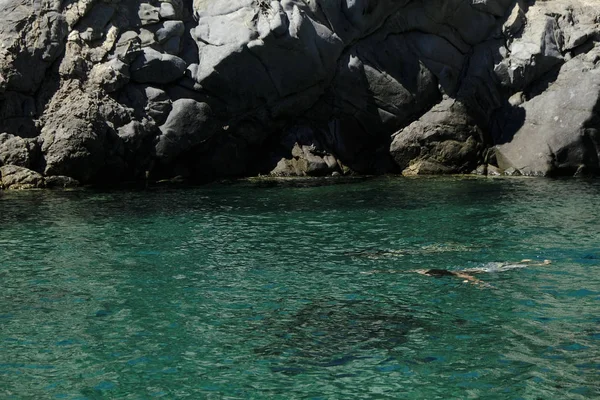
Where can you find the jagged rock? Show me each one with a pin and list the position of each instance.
(492, 170)
(189, 124)
(305, 163)
(426, 167)
(444, 140)
(159, 104)
(252, 56)
(154, 67)
(76, 139)
(91, 26)
(32, 37)
(13, 177)
(511, 171)
(97, 78)
(533, 54)
(17, 151)
(110, 76)
(516, 20)
(578, 22)
(488, 170)
(148, 14)
(304, 155)
(76, 9)
(374, 97)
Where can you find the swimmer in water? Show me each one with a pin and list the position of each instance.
(467, 274)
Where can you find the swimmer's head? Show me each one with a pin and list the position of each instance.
(438, 272)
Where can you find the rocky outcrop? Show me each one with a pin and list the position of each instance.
(19, 178)
(18, 151)
(302, 154)
(560, 134)
(189, 124)
(444, 140)
(110, 90)
(78, 138)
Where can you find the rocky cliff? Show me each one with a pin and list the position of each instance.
(109, 90)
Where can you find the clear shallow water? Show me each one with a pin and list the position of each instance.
(258, 290)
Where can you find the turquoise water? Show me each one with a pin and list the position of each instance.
(301, 290)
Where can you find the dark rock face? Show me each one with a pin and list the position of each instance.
(17, 151)
(189, 124)
(302, 154)
(107, 91)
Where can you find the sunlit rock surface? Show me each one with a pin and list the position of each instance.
(106, 91)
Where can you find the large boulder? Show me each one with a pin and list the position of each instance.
(78, 139)
(189, 124)
(536, 51)
(18, 151)
(19, 178)
(560, 131)
(154, 67)
(252, 55)
(444, 140)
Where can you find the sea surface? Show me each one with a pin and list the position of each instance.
(302, 289)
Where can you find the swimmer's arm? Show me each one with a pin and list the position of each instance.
(529, 262)
(466, 277)
(474, 270)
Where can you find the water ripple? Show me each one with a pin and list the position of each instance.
(301, 289)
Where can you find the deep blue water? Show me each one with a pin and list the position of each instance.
(302, 289)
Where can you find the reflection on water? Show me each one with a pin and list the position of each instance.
(258, 290)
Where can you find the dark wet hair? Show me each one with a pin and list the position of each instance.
(439, 272)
